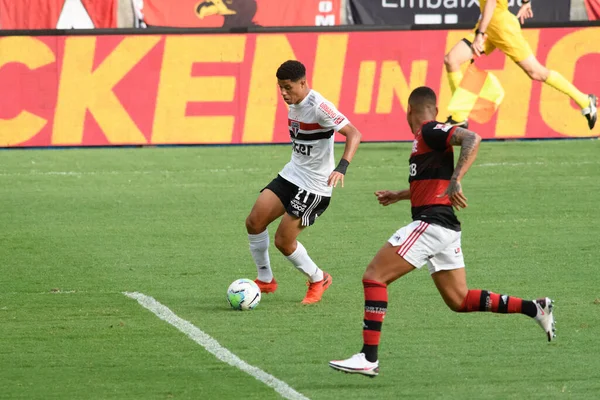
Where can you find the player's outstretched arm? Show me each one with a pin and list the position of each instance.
(352, 141)
(387, 197)
(469, 144)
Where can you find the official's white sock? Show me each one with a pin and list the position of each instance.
(303, 262)
(259, 248)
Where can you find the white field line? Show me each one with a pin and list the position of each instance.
(213, 347)
(219, 170)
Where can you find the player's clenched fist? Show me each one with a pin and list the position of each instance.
(387, 197)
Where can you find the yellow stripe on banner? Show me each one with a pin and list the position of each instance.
(393, 82)
(364, 89)
(329, 65)
(263, 95)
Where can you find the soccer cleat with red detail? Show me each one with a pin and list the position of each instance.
(316, 289)
(266, 287)
(545, 316)
(357, 364)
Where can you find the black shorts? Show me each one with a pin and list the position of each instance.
(298, 202)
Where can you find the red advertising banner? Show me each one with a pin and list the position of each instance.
(201, 89)
(30, 14)
(241, 13)
(52, 14)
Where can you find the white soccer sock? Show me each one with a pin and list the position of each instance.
(303, 262)
(259, 248)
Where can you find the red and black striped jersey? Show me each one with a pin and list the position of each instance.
(431, 166)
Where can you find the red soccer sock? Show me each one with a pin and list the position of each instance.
(376, 298)
(482, 300)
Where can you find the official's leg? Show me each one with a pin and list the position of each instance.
(456, 57)
(510, 41)
(538, 72)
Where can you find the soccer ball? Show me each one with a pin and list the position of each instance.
(243, 294)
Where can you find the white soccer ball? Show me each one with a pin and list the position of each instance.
(243, 294)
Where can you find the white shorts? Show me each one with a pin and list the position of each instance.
(420, 243)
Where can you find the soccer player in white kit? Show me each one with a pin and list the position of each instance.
(302, 190)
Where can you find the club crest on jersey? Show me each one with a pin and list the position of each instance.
(295, 125)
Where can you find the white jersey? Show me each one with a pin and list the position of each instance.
(312, 124)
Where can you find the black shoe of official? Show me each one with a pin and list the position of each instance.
(591, 112)
(463, 124)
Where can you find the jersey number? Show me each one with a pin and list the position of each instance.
(300, 191)
(412, 169)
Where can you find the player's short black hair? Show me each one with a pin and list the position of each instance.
(422, 97)
(292, 70)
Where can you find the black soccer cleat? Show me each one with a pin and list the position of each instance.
(591, 112)
(464, 124)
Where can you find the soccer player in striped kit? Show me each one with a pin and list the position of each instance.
(433, 238)
(302, 190)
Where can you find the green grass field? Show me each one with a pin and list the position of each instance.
(79, 227)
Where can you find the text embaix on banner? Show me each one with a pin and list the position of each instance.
(449, 12)
(201, 89)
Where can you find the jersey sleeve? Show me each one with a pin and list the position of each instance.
(437, 136)
(329, 117)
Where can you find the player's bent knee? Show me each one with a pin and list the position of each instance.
(254, 225)
(536, 76)
(451, 62)
(447, 59)
(372, 273)
(537, 73)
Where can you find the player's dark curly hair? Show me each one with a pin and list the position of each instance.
(292, 70)
(422, 97)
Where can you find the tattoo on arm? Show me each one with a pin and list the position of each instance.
(469, 144)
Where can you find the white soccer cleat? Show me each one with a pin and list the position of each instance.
(545, 317)
(357, 364)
